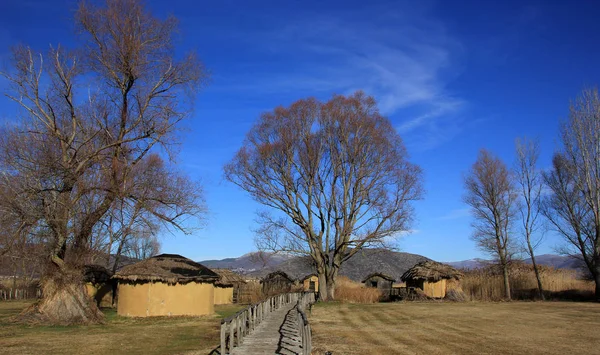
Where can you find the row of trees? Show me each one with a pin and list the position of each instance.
(567, 195)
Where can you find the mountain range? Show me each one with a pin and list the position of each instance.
(555, 261)
(362, 264)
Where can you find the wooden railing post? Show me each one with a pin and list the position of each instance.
(223, 338)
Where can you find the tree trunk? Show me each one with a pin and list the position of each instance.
(537, 274)
(322, 287)
(331, 276)
(506, 281)
(65, 300)
(597, 281)
(330, 290)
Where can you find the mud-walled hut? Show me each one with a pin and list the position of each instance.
(310, 283)
(431, 277)
(99, 284)
(165, 285)
(229, 286)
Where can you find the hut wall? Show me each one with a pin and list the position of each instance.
(307, 282)
(102, 294)
(161, 299)
(223, 295)
(415, 283)
(435, 289)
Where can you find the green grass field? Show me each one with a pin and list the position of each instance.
(120, 335)
(457, 328)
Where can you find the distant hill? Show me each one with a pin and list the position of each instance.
(357, 268)
(556, 261)
(248, 262)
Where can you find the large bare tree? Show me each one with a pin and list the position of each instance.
(530, 184)
(335, 176)
(89, 117)
(491, 195)
(573, 207)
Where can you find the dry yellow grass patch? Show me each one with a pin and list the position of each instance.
(456, 328)
(120, 335)
(347, 290)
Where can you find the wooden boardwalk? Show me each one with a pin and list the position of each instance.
(278, 334)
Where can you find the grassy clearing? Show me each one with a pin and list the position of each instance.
(120, 335)
(456, 328)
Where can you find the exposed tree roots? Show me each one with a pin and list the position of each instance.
(65, 302)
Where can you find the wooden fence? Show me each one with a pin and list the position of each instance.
(19, 294)
(305, 303)
(237, 326)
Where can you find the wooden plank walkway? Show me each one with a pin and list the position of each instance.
(276, 335)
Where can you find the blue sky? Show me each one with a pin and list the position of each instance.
(452, 76)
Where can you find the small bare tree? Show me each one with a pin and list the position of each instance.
(491, 195)
(530, 183)
(336, 176)
(573, 208)
(90, 117)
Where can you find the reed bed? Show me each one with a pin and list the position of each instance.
(487, 284)
(349, 291)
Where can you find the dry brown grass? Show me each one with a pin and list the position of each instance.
(120, 335)
(487, 284)
(347, 290)
(456, 328)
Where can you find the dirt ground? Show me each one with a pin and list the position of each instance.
(457, 328)
(120, 335)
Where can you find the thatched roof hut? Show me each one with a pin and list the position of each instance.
(228, 287)
(378, 275)
(96, 274)
(277, 282)
(431, 271)
(167, 268)
(166, 284)
(99, 285)
(380, 281)
(228, 277)
(430, 276)
(310, 282)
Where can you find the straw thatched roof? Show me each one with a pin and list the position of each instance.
(228, 278)
(431, 271)
(276, 274)
(379, 274)
(96, 274)
(169, 268)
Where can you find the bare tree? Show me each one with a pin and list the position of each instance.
(89, 118)
(573, 208)
(530, 183)
(491, 195)
(335, 176)
(142, 247)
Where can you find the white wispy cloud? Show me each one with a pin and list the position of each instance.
(456, 214)
(404, 57)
